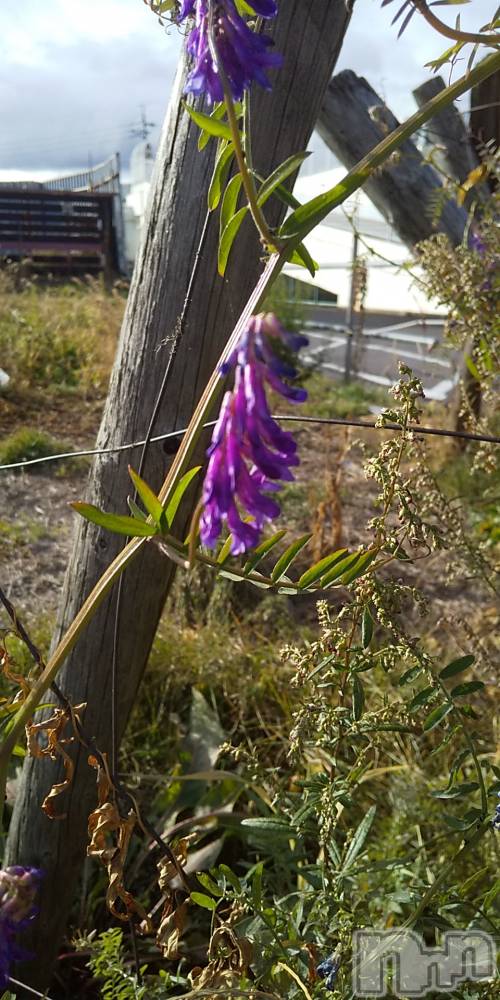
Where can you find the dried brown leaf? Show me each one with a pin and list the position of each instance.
(52, 730)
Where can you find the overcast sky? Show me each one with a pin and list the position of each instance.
(75, 74)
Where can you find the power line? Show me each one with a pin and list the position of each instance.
(333, 421)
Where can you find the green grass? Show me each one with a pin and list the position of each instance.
(13, 533)
(27, 444)
(328, 398)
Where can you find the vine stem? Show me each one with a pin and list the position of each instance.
(305, 220)
(454, 33)
(246, 176)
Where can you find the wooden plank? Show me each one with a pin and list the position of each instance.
(310, 34)
(447, 131)
(352, 120)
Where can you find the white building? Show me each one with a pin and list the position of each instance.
(135, 197)
(391, 287)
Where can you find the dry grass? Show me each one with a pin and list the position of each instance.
(58, 336)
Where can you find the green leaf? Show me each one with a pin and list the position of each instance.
(340, 568)
(257, 885)
(149, 499)
(227, 239)
(230, 877)
(358, 841)
(472, 368)
(314, 211)
(279, 175)
(217, 113)
(262, 551)
(457, 666)
(358, 698)
(135, 510)
(410, 675)
(366, 628)
(240, 578)
(285, 195)
(244, 8)
(460, 825)
(302, 257)
(314, 573)
(178, 494)
(468, 687)
(445, 57)
(491, 895)
(229, 202)
(201, 900)
(436, 716)
(421, 698)
(219, 176)
(358, 568)
(209, 123)
(288, 557)
(456, 791)
(324, 662)
(209, 884)
(459, 760)
(269, 824)
(225, 551)
(119, 523)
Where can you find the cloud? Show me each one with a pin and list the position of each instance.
(395, 66)
(75, 73)
(82, 103)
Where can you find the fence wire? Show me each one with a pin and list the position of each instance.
(334, 421)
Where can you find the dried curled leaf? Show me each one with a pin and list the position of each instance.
(229, 958)
(52, 729)
(167, 868)
(110, 836)
(172, 923)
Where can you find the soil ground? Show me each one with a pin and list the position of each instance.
(331, 492)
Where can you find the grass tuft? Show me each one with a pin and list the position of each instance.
(26, 444)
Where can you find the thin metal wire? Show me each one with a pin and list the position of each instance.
(179, 331)
(370, 424)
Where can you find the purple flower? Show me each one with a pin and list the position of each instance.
(18, 888)
(496, 818)
(244, 54)
(476, 242)
(250, 453)
(328, 969)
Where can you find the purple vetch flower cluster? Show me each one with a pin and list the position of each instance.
(478, 244)
(328, 969)
(496, 818)
(245, 55)
(250, 453)
(18, 888)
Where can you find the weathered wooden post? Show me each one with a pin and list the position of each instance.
(352, 120)
(448, 133)
(485, 112)
(459, 149)
(309, 33)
